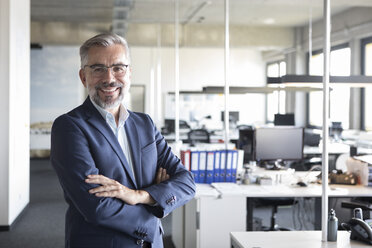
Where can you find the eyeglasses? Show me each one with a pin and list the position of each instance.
(99, 70)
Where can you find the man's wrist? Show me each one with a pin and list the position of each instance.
(144, 197)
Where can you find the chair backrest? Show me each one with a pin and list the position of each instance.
(198, 136)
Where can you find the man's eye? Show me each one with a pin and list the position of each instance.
(118, 68)
(99, 69)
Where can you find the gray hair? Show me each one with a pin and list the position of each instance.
(103, 40)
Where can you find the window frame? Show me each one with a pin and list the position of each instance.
(266, 100)
(363, 43)
(316, 52)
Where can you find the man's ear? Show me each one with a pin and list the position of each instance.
(130, 73)
(82, 77)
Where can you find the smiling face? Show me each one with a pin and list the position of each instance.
(106, 89)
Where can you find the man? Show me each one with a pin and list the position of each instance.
(118, 174)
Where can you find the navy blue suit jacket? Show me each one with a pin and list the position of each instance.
(82, 143)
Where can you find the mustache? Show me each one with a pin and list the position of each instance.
(106, 85)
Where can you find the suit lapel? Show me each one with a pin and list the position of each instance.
(97, 121)
(133, 139)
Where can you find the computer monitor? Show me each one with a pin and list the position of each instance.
(284, 120)
(233, 116)
(169, 125)
(279, 143)
(246, 143)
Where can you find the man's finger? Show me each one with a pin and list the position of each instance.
(158, 175)
(99, 179)
(163, 174)
(103, 189)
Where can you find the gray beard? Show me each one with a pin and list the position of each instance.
(107, 103)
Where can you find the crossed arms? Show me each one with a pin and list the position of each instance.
(112, 188)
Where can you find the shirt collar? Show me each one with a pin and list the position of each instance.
(123, 113)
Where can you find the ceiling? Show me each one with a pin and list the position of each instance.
(285, 13)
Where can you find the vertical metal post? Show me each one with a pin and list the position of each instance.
(326, 53)
(226, 70)
(152, 87)
(310, 38)
(158, 79)
(176, 72)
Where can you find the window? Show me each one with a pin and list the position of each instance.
(367, 70)
(276, 100)
(339, 95)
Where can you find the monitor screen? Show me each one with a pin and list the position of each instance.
(284, 120)
(169, 124)
(279, 143)
(245, 143)
(233, 116)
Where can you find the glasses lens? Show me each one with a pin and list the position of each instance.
(100, 70)
(119, 70)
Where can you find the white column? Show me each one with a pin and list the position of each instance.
(14, 109)
(159, 106)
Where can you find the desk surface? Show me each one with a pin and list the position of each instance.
(256, 191)
(333, 148)
(294, 239)
(233, 135)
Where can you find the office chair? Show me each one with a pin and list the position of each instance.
(365, 203)
(275, 203)
(198, 136)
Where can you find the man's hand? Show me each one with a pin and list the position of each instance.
(112, 188)
(161, 175)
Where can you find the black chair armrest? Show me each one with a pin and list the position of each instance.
(363, 205)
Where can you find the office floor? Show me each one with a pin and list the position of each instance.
(42, 223)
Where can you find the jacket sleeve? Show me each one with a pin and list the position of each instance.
(73, 161)
(177, 190)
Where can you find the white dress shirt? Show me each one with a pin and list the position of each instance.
(118, 130)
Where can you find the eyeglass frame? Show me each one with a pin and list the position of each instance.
(102, 66)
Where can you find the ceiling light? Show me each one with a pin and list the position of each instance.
(269, 21)
(317, 81)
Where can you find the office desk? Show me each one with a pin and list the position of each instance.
(294, 239)
(214, 137)
(252, 192)
(333, 149)
(208, 219)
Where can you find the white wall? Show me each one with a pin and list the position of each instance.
(201, 67)
(4, 111)
(15, 107)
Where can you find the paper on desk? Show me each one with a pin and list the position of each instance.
(228, 188)
(205, 190)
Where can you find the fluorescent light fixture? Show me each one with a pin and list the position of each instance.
(269, 21)
(317, 81)
(253, 90)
